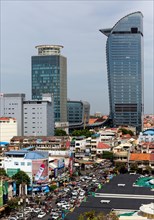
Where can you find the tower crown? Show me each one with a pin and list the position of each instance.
(45, 50)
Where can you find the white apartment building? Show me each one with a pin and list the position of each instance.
(11, 105)
(8, 128)
(33, 117)
(38, 117)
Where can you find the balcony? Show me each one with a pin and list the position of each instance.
(79, 154)
(121, 154)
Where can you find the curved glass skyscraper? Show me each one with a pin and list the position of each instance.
(124, 52)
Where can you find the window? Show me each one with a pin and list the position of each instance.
(22, 163)
(29, 163)
(16, 163)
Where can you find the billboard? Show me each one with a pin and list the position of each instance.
(1, 193)
(61, 163)
(40, 171)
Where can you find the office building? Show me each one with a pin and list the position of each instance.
(38, 117)
(11, 105)
(78, 112)
(124, 52)
(49, 75)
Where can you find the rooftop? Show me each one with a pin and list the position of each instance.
(133, 202)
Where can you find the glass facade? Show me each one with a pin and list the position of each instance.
(78, 112)
(74, 112)
(49, 76)
(124, 52)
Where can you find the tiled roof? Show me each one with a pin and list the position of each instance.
(102, 145)
(139, 157)
(6, 118)
(152, 157)
(92, 120)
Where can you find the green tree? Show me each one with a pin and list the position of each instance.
(3, 172)
(148, 169)
(101, 216)
(53, 187)
(133, 167)
(121, 167)
(60, 132)
(91, 215)
(83, 132)
(81, 217)
(13, 203)
(125, 131)
(21, 177)
(107, 155)
(112, 216)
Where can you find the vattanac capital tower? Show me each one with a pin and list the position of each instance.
(124, 54)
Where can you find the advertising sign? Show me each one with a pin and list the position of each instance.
(71, 165)
(40, 171)
(5, 192)
(61, 163)
(1, 193)
(14, 188)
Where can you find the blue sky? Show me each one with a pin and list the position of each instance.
(75, 25)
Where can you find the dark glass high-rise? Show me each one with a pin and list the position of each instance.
(49, 75)
(124, 53)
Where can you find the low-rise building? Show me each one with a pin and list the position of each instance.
(146, 136)
(142, 160)
(33, 163)
(8, 128)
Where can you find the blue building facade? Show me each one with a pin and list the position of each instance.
(49, 75)
(78, 112)
(124, 53)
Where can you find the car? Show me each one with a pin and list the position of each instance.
(13, 217)
(37, 210)
(41, 214)
(82, 193)
(66, 206)
(81, 197)
(55, 216)
(59, 204)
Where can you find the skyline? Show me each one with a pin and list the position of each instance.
(62, 23)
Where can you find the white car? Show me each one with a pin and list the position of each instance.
(37, 210)
(66, 206)
(74, 193)
(81, 197)
(82, 193)
(41, 215)
(59, 204)
(55, 216)
(13, 218)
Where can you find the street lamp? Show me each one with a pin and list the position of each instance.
(22, 202)
(23, 199)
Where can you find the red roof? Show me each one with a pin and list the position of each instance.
(139, 157)
(92, 120)
(6, 118)
(102, 145)
(152, 157)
